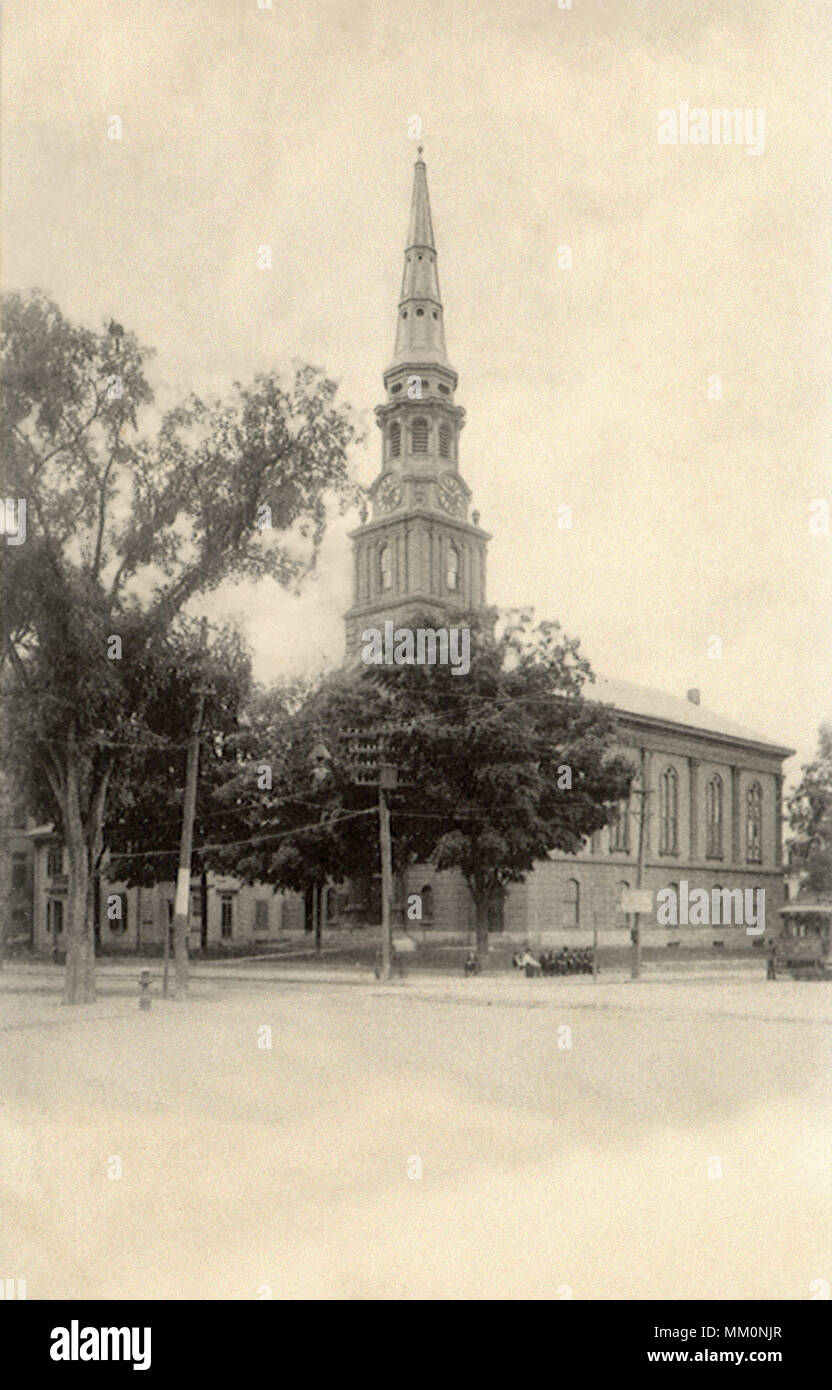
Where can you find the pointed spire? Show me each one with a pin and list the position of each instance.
(420, 330)
(420, 232)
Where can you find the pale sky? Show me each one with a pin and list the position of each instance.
(586, 387)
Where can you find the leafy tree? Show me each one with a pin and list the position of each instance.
(810, 818)
(129, 518)
(505, 764)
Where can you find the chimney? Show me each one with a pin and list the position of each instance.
(693, 696)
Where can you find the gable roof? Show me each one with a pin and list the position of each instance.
(659, 707)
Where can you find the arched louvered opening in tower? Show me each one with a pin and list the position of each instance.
(395, 439)
(419, 436)
(444, 441)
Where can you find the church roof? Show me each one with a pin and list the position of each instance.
(645, 702)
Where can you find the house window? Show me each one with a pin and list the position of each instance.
(623, 919)
(261, 916)
(331, 904)
(385, 567)
(395, 439)
(572, 903)
(669, 812)
(452, 573)
(117, 912)
(419, 436)
(713, 811)
(55, 861)
(19, 874)
(754, 824)
(426, 894)
(226, 913)
(445, 441)
(55, 916)
(620, 829)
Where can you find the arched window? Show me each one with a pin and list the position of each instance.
(713, 811)
(620, 829)
(572, 903)
(426, 894)
(395, 439)
(452, 573)
(669, 812)
(419, 436)
(445, 441)
(754, 824)
(385, 567)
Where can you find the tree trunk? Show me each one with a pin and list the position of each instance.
(79, 987)
(84, 844)
(481, 903)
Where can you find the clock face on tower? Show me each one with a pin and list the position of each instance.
(389, 493)
(451, 494)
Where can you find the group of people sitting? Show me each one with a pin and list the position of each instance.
(567, 961)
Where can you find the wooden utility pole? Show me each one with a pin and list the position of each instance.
(387, 780)
(168, 923)
(643, 792)
(203, 910)
(365, 751)
(183, 877)
(317, 899)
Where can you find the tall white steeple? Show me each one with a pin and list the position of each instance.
(418, 551)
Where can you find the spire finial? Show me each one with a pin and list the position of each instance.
(419, 149)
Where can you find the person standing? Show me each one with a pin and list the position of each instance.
(771, 959)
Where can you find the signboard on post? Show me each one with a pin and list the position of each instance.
(636, 900)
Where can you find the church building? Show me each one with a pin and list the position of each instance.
(714, 789)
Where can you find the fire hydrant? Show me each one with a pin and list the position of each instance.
(144, 987)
